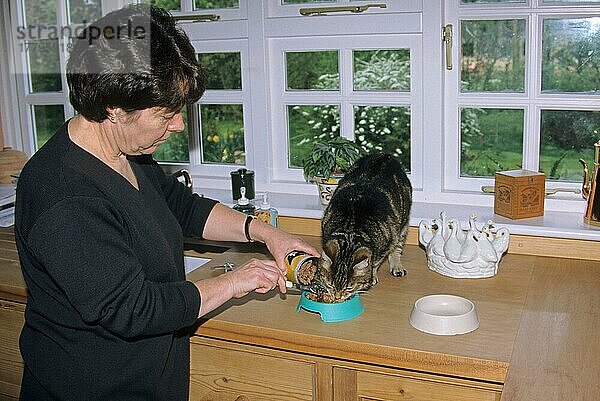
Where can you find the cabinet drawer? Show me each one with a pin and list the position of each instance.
(350, 385)
(224, 374)
(11, 364)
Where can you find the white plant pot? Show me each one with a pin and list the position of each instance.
(326, 187)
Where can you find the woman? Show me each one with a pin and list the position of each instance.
(99, 226)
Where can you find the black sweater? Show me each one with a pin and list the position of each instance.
(108, 303)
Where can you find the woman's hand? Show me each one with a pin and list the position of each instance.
(255, 275)
(280, 243)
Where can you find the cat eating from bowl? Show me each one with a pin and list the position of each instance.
(365, 222)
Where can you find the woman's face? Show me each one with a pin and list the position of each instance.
(142, 132)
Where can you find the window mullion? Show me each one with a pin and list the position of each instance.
(533, 73)
(346, 92)
(531, 138)
(8, 90)
(453, 101)
(61, 13)
(110, 5)
(187, 6)
(22, 138)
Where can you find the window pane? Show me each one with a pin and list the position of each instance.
(81, 11)
(166, 4)
(493, 56)
(224, 70)
(312, 70)
(491, 140)
(176, 148)
(384, 128)
(566, 137)
(382, 70)
(222, 130)
(307, 123)
(46, 120)
(208, 4)
(40, 12)
(44, 65)
(571, 55)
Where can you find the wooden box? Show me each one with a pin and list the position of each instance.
(519, 194)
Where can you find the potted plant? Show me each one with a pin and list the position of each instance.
(328, 161)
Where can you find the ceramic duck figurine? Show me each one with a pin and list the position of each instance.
(426, 232)
(433, 235)
(452, 246)
(453, 252)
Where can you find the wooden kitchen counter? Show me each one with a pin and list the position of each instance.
(382, 334)
(538, 334)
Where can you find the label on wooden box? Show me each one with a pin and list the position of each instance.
(519, 194)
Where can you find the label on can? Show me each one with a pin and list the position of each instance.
(301, 267)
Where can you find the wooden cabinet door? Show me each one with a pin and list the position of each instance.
(11, 364)
(219, 373)
(359, 385)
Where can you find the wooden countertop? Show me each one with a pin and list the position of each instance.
(12, 285)
(538, 329)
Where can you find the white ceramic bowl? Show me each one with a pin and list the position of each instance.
(444, 315)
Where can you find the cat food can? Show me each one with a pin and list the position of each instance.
(301, 267)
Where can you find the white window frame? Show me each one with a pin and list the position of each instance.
(262, 137)
(20, 119)
(532, 100)
(30, 100)
(250, 32)
(230, 33)
(346, 97)
(285, 26)
(221, 97)
(254, 33)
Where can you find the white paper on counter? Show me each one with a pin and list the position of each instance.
(7, 193)
(7, 217)
(191, 263)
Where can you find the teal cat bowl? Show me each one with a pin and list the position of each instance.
(333, 312)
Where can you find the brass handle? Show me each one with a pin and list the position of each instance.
(447, 38)
(312, 11)
(488, 189)
(197, 18)
(587, 184)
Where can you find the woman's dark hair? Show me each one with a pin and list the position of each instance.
(133, 58)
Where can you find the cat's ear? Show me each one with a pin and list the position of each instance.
(324, 267)
(329, 253)
(331, 249)
(361, 259)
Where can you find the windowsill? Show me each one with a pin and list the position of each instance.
(553, 224)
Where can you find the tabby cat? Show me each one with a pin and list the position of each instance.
(365, 222)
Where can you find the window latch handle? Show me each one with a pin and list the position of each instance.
(197, 18)
(313, 11)
(447, 39)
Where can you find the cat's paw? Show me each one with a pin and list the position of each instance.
(398, 272)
